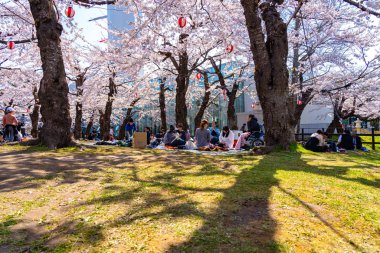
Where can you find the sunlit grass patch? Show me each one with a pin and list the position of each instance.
(123, 200)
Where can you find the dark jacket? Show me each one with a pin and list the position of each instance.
(347, 142)
(253, 125)
(169, 137)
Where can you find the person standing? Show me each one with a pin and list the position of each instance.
(10, 124)
(243, 128)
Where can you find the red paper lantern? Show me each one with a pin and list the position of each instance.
(198, 76)
(299, 100)
(70, 12)
(10, 45)
(182, 22)
(230, 48)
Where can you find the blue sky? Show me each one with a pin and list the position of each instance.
(91, 29)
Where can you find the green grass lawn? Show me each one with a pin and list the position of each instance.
(124, 200)
(369, 139)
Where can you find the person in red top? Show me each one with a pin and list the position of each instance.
(10, 124)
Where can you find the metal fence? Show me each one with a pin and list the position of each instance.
(307, 132)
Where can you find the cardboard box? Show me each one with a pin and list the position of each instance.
(140, 140)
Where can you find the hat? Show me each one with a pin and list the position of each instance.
(9, 109)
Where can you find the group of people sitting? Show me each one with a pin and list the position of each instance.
(204, 138)
(320, 142)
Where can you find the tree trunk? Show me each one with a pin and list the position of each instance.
(162, 103)
(89, 126)
(101, 122)
(335, 124)
(78, 121)
(231, 111)
(108, 111)
(181, 90)
(53, 92)
(271, 74)
(78, 107)
(35, 113)
(126, 119)
(205, 102)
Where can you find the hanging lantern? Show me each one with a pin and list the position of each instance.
(182, 22)
(230, 48)
(10, 45)
(299, 100)
(70, 11)
(198, 76)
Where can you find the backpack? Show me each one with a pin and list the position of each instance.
(311, 143)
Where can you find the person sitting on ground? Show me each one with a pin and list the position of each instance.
(202, 135)
(10, 124)
(358, 142)
(330, 143)
(214, 133)
(130, 128)
(170, 136)
(147, 130)
(243, 128)
(345, 141)
(161, 134)
(182, 137)
(316, 142)
(242, 142)
(226, 138)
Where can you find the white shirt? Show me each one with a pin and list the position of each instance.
(229, 141)
(320, 138)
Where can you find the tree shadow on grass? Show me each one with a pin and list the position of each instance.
(242, 222)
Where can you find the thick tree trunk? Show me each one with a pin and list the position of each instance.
(126, 119)
(78, 107)
(271, 74)
(182, 81)
(53, 92)
(35, 113)
(108, 110)
(205, 102)
(163, 103)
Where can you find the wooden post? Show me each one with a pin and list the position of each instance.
(303, 134)
(373, 139)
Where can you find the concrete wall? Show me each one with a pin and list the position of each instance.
(314, 116)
